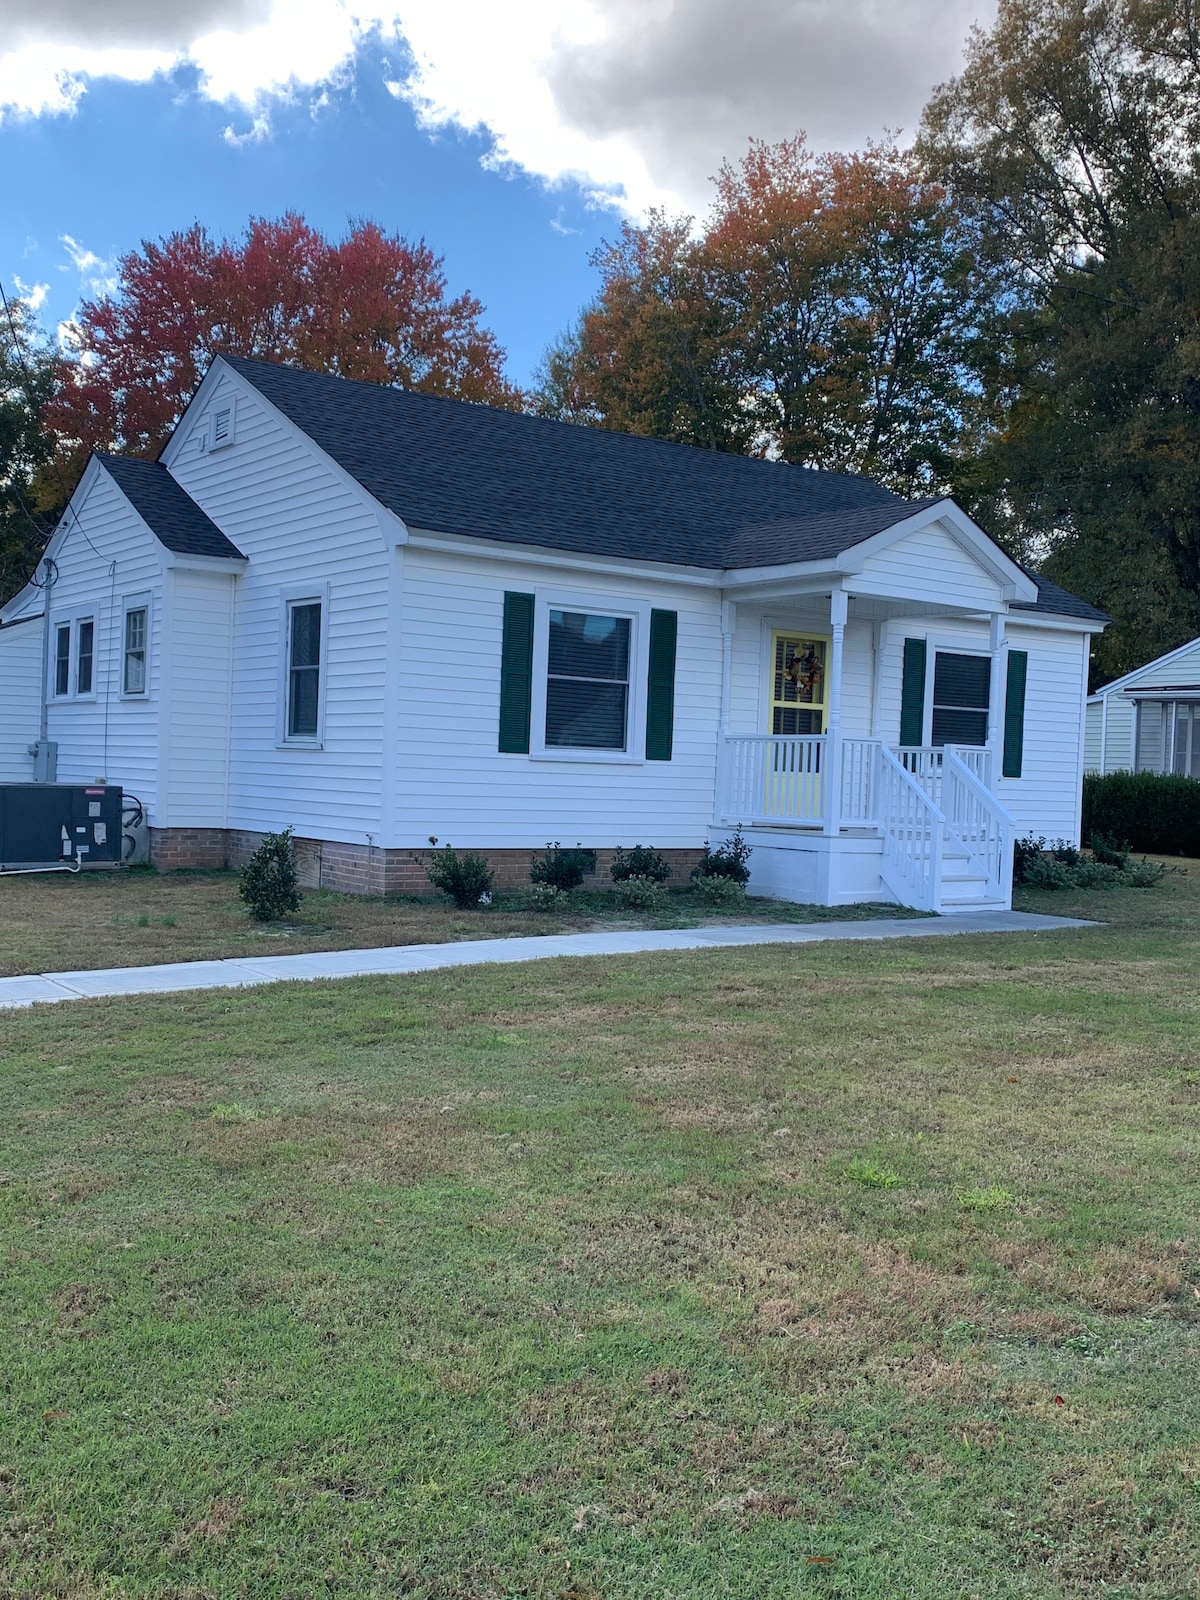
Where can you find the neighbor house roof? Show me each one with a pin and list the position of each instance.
(448, 467)
(171, 515)
(1060, 601)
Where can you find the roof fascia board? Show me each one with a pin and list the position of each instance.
(829, 568)
(182, 561)
(968, 535)
(392, 529)
(66, 526)
(1057, 620)
(546, 556)
(1159, 661)
(1181, 691)
(30, 616)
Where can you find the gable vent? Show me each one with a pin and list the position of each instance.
(222, 427)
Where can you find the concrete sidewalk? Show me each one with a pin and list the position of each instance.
(396, 959)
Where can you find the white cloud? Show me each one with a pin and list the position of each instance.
(96, 275)
(31, 294)
(636, 100)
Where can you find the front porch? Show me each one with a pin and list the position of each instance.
(836, 810)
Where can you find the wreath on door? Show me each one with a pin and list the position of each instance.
(804, 671)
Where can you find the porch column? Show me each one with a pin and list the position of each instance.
(838, 608)
(998, 645)
(728, 625)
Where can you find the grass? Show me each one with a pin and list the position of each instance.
(555, 1280)
(60, 923)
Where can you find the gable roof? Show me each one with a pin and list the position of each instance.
(1059, 601)
(170, 513)
(1180, 653)
(446, 466)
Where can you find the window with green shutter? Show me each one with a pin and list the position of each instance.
(912, 693)
(516, 673)
(1014, 713)
(660, 687)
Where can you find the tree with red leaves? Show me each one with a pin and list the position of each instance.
(372, 306)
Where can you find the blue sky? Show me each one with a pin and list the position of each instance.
(513, 135)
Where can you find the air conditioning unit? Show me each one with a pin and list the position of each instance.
(59, 825)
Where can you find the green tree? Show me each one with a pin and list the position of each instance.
(28, 499)
(1070, 143)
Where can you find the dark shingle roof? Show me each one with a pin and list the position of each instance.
(1052, 598)
(171, 514)
(448, 467)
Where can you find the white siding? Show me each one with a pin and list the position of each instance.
(107, 555)
(928, 565)
(1110, 741)
(1045, 799)
(301, 527)
(451, 781)
(20, 698)
(195, 735)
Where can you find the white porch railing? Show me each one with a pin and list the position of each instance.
(977, 820)
(914, 831)
(923, 801)
(772, 778)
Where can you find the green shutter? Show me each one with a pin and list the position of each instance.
(912, 693)
(660, 689)
(516, 673)
(1014, 713)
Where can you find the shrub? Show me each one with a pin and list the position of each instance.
(546, 897)
(1062, 867)
(466, 878)
(721, 891)
(1148, 810)
(1026, 852)
(1145, 874)
(639, 862)
(267, 882)
(563, 869)
(728, 860)
(639, 894)
(1109, 852)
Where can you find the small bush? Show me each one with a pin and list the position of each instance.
(1158, 811)
(563, 869)
(720, 892)
(639, 894)
(1109, 853)
(466, 878)
(267, 882)
(871, 1176)
(728, 860)
(546, 897)
(1145, 874)
(639, 862)
(1026, 852)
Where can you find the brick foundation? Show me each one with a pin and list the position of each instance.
(353, 869)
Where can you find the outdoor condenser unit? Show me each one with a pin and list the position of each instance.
(59, 824)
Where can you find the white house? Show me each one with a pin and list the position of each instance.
(381, 617)
(1149, 720)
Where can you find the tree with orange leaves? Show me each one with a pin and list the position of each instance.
(828, 312)
(371, 306)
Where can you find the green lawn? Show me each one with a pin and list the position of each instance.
(867, 1272)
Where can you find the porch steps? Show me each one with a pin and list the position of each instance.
(964, 887)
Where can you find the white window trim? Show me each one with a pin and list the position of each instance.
(949, 645)
(77, 625)
(226, 404)
(298, 595)
(605, 605)
(134, 602)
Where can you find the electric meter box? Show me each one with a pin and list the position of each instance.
(59, 824)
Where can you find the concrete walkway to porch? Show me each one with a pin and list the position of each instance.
(393, 960)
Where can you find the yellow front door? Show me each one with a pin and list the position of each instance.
(799, 679)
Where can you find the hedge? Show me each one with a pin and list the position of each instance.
(1145, 810)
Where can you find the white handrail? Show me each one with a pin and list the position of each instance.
(913, 829)
(978, 821)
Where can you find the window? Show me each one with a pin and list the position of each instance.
(62, 659)
(133, 678)
(1168, 737)
(221, 428)
(304, 669)
(587, 681)
(1186, 754)
(84, 656)
(961, 695)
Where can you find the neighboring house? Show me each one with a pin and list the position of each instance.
(381, 616)
(1149, 720)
